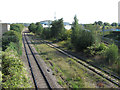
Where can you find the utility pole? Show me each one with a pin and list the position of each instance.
(55, 16)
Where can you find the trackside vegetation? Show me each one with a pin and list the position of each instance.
(14, 74)
(85, 39)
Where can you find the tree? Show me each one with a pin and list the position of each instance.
(39, 28)
(16, 27)
(57, 29)
(75, 30)
(32, 27)
(106, 24)
(100, 23)
(95, 23)
(81, 38)
(114, 24)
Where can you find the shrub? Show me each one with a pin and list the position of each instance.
(32, 27)
(46, 33)
(39, 28)
(97, 49)
(14, 73)
(81, 38)
(111, 53)
(17, 27)
(10, 36)
(84, 40)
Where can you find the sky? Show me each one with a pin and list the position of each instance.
(87, 11)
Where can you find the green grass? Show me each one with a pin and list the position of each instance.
(67, 71)
(62, 65)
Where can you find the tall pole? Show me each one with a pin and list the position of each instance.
(55, 16)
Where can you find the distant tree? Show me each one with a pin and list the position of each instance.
(100, 23)
(32, 27)
(57, 29)
(17, 27)
(114, 24)
(95, 23)
(106, 24)
(81, 38)
(39, 28)
(75, 30)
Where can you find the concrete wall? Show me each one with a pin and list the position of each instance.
(119, 12)
(5, 27)
(0, 29)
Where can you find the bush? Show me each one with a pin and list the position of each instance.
(46, 33)
(10, 36)
(17, 27)
(84, 40)
(14, 73)
(39, 29)
(111, 53)
(97, 49)
(80, 38)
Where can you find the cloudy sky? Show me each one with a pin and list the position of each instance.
(87, 11)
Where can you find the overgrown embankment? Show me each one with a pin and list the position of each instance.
(14, 74)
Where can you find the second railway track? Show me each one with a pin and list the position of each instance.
(99, 71)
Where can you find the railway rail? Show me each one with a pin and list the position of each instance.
(42, 77)
(99, 71)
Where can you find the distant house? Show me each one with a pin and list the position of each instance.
(47, 23)
(4, 27)
(67, 25)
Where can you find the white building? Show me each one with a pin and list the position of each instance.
(47, 23)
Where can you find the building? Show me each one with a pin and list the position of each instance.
(47, 23)
(119, 12)
(4, 27)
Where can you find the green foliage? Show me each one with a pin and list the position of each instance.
(17, 27)
(106, 24)
(10, 36)
(46, 33)
(14, 73)
(58, 30)
(36, 28)
(39, 28)
(80, 38)
(98, 23)
(97, 49)
(84, 40)
(32, 27)
(111, 53)
(75, 30)
(114, 24)
(92, 27)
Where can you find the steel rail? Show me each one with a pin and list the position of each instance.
(76, 59)
(30, 64)
(38, 65)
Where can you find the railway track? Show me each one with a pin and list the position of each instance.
(99, 71)
(39, 79)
